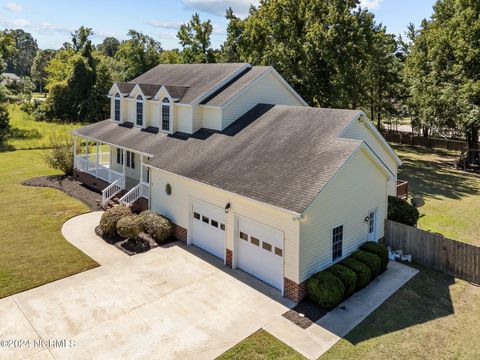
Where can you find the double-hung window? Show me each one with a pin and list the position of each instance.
(130, 160)
(337, 242)
(139, 120)
(120, 156)
(117, 107)
(165, 114)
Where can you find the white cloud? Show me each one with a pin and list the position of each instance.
(219, 7)
(47, 28)
(13, 7)
(371, 4)
(172, 25)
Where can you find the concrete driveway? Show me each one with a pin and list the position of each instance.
(171, 302)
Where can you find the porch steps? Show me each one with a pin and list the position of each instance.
(138, 206)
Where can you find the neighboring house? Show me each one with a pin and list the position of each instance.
(244, 168)
(9, 78)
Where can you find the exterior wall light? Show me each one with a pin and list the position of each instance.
(227, 208)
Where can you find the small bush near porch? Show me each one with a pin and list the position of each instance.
(34, 251)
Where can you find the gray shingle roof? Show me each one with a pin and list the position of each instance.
(195, 79)
(280, 155)
(228, 91)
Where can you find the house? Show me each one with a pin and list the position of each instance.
(244, 168)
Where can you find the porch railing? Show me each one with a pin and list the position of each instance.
(402, 189)
(140, 190)
(100, 170)
(113, 189)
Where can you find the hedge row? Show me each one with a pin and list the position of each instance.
(120, 220)
(329, 287)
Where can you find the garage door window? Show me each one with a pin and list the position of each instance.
(205, 219)
(254, 241)
(214, 223)
(266, 246)
(222, 227)
(196, 215)
(278, 252)
(243, 236)
(337, 241)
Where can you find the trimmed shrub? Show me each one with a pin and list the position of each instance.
(325, 289)
(371, 260)
(129, 227)
(108, 222)
(378, 249)
(361, 270)
(346, 275)
(157, 226)
(401, 211)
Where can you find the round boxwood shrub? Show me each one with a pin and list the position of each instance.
(109, 219)
(378, 249)
(346, 275)
(371, 260)
(361, 270)
(401, 211)
(157, 226)
(325, 289)
(129, 227)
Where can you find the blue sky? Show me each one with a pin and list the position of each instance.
(51, 22)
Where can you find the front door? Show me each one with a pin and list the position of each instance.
(372, 226)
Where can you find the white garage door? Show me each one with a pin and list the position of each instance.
(260, 251)
(208, 230)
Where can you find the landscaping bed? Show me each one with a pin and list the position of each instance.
(69, 186)
(305, 313)
(132, 233)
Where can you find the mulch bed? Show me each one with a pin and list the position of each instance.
(305, 313)
(70, 186)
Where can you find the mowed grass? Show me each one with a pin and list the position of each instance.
(452, 197)
(433, 316)
(26, 133)
(33, 250)
(261, 345)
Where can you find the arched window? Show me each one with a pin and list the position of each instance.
(165, 114)
(117, 107)
(139, 110)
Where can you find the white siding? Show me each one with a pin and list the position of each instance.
(211, 118)
(268, 90)
(359, 187)
(177, 207)
(196, 118)
(183, 116)
(360, 131)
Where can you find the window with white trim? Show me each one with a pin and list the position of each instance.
(120, 156)
(117, 107)
(139, 120)
(130, 160)
(337, 242)
(165, 114)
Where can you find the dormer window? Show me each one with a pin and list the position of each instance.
(139, 120)
(117, 107)
(166, 114)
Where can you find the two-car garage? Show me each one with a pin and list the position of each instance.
(258, 249)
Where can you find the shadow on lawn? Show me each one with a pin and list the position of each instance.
(436, 177)
(426, 297)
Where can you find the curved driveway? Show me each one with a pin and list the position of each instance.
(171, 302)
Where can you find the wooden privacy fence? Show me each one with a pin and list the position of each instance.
(435, 251)
(430, 142)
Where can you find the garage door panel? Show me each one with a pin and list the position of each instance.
(208, 228)
(260, 251)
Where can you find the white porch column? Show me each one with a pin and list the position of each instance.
(141, 168)
(74, 151)
(98, 160)
(124, 153)
(109, 164)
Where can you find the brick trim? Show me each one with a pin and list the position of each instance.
(180, 233)
(293, 291)
(229, 258)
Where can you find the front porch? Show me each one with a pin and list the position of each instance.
(118, 173)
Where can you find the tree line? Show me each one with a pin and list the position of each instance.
(333, 53)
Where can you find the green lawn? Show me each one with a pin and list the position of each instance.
(261, 345)
(26, 133)
(452, 197)
(433, 316)
(34, 251)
